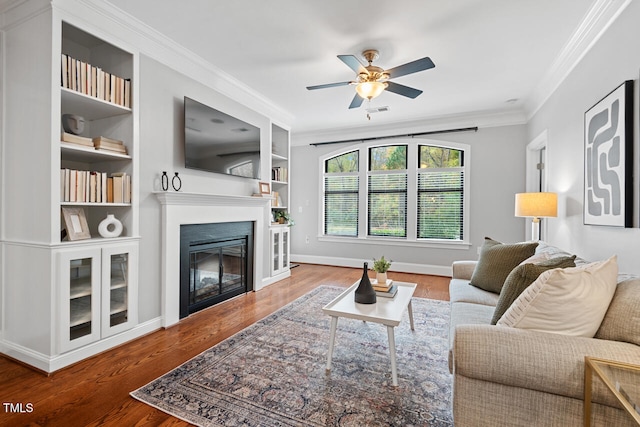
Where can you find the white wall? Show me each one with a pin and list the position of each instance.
(497, 173)
(612, 60)
(162, 92)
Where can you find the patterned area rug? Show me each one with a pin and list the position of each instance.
(273, 372)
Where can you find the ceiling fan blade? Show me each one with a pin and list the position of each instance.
(324, 86)
(403, 90)
(356, 101)
(411, 67)
(353, 63)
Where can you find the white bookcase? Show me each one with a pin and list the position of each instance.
(63, 299)
(280, 179)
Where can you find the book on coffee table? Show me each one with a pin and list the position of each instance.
(381, 286)
(390, 293)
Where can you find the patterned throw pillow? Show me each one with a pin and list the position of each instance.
(496, 262)
(521, 277)
(568, 301)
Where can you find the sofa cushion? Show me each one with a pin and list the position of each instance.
(462, 291)
(570, 301)
(496, 262)
(521, 277)
(622, 321)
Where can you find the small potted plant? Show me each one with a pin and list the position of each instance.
(281, 217)
(381, 266)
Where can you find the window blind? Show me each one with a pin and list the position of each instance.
(440, 204)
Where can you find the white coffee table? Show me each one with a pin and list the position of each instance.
(386, 311)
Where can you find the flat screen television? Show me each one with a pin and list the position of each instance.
(217, 142)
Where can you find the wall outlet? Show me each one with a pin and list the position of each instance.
(306, 240)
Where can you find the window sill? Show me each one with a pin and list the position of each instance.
(390, 241)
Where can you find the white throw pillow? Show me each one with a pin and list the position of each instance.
(569, 301)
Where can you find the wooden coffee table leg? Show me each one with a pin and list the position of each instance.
(392, 354)
(332, 339)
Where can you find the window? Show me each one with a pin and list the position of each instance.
(440, 193)
(409, 190)
(341, 195)
(387, 191)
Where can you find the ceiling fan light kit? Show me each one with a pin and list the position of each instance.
(372, 80)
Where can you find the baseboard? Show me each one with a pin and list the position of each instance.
(50, 364)
(271, 280)
(402, 267)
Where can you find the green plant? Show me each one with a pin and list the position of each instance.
(282, 217)
(381, 265)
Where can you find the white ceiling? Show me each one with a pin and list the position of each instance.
(490, 55)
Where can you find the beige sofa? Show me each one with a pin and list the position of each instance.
(515, 377)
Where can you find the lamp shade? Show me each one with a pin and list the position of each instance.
(537, 205)
(370, 90)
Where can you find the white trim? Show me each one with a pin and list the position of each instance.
(412, 176)
(402, 267)
(596, 21)
(54, 363)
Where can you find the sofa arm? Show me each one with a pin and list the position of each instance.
(545, 362)
(463, 269)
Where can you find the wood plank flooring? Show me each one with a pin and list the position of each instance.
(95, 392)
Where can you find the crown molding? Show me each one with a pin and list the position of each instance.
(596, 21)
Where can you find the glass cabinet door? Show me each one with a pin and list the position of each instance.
(285, 248)
(119, 278)
(79, 278)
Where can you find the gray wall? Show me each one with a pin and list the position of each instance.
(162, 91)
(497, 173)
(612, 60)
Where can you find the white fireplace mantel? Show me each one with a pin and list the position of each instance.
(180, 208)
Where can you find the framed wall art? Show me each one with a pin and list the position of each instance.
(608, 159)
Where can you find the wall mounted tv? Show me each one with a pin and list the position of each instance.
(217, 142)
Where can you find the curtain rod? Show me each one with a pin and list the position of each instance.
(410, 135)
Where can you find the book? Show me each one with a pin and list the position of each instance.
(104, 139)
(393, 290)
(76, 139)
(380, 286)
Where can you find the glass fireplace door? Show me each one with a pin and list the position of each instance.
(217, 271)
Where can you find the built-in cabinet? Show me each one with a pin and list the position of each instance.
(280, 207)
(98, 293)
(67, 296)
(280, 252)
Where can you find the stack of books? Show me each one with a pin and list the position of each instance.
(76, 139)
(385, 290)
(107, 144)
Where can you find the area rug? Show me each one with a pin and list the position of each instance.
(273, 373)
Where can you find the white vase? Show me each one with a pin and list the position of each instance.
(110, 226)
(381, 277)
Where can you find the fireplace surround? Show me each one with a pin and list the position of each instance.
(180, 208)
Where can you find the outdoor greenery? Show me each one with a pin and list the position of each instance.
(439, 199)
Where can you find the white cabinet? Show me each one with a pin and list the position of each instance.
(98, 293)
(57, 59)
(279, 249)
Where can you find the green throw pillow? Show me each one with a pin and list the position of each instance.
(496, 262)
(520, 279)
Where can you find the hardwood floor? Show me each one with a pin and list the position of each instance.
(95, 392)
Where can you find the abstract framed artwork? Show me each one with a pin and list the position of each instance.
(608, 159)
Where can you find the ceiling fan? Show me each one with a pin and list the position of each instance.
(371, 80)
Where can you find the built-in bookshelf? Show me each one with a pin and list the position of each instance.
(279, 167)
(72, 293)
(97, 162)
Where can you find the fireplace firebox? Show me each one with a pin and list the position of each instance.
(216, 263)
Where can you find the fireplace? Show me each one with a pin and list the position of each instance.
(216, 263)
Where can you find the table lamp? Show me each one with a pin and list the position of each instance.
(536, 206)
